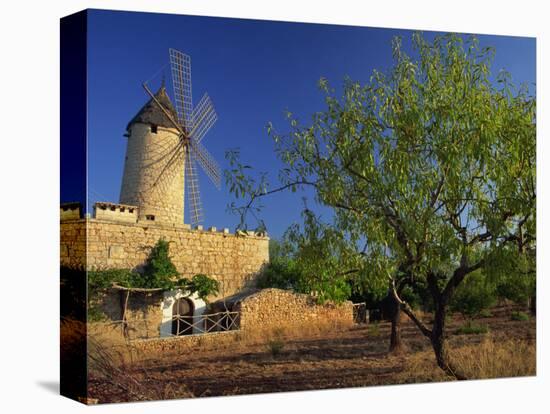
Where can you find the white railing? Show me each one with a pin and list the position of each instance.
(184, 325)
(213, 322)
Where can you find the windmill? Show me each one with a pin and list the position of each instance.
(192, 124)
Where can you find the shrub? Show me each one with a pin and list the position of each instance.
(281, 273)
(102, 279)
(95, 314)
(275, 346)
(471, 328)
(519, 316)
(475, 294)
(485, 313)
(159, 271)
(204, 286)
(374, 329)
(516, 287)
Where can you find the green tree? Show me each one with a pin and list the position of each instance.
(475, 294)
(318, 259)
(430, 163)
(513, 270)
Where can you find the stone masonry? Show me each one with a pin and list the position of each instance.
(233, 260)
(153, 178)
(261, 313)
(276, 307)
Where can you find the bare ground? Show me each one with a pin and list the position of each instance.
(352, 358)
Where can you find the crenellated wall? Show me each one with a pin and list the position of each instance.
(233, 260)
(116, 212)
(70, 211)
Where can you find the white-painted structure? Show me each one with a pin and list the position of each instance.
(169, 299)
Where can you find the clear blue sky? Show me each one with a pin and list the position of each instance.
(253, 71)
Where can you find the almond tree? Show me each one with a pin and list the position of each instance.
(432, 163)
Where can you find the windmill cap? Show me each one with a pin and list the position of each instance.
(150, 113)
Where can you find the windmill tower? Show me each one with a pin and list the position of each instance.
(164, 145)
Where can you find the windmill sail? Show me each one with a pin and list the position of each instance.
(204, 116)
(193, 192)
(207, 162)
(181, 81)
(193, 125)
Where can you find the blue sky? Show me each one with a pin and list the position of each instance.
(253, 71)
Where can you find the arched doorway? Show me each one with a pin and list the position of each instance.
(182, 317)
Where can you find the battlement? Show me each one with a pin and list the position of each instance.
(128, 215)
(70, 211)
(116, 212)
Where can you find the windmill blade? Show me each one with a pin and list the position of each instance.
(181, 81)
(204, 116)
(193, 192)
(207, 162)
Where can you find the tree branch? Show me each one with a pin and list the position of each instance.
(405, 307)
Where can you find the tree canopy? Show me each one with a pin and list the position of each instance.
(432, 163)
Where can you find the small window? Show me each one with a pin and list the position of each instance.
(150, 217)
(154, 128)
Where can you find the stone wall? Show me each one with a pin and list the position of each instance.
(143, 311)
(262, 314)
(233, 260)
(73, 243)
(187, 343)
(271, 308)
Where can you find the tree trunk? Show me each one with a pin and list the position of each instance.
(396, 345)
(439, 343)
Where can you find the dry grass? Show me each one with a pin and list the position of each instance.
(497, 359)
(112, 333)
(288, 331)
(314, 356)
(118, 366)
(488, 359)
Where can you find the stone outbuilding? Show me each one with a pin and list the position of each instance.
(150, 313)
